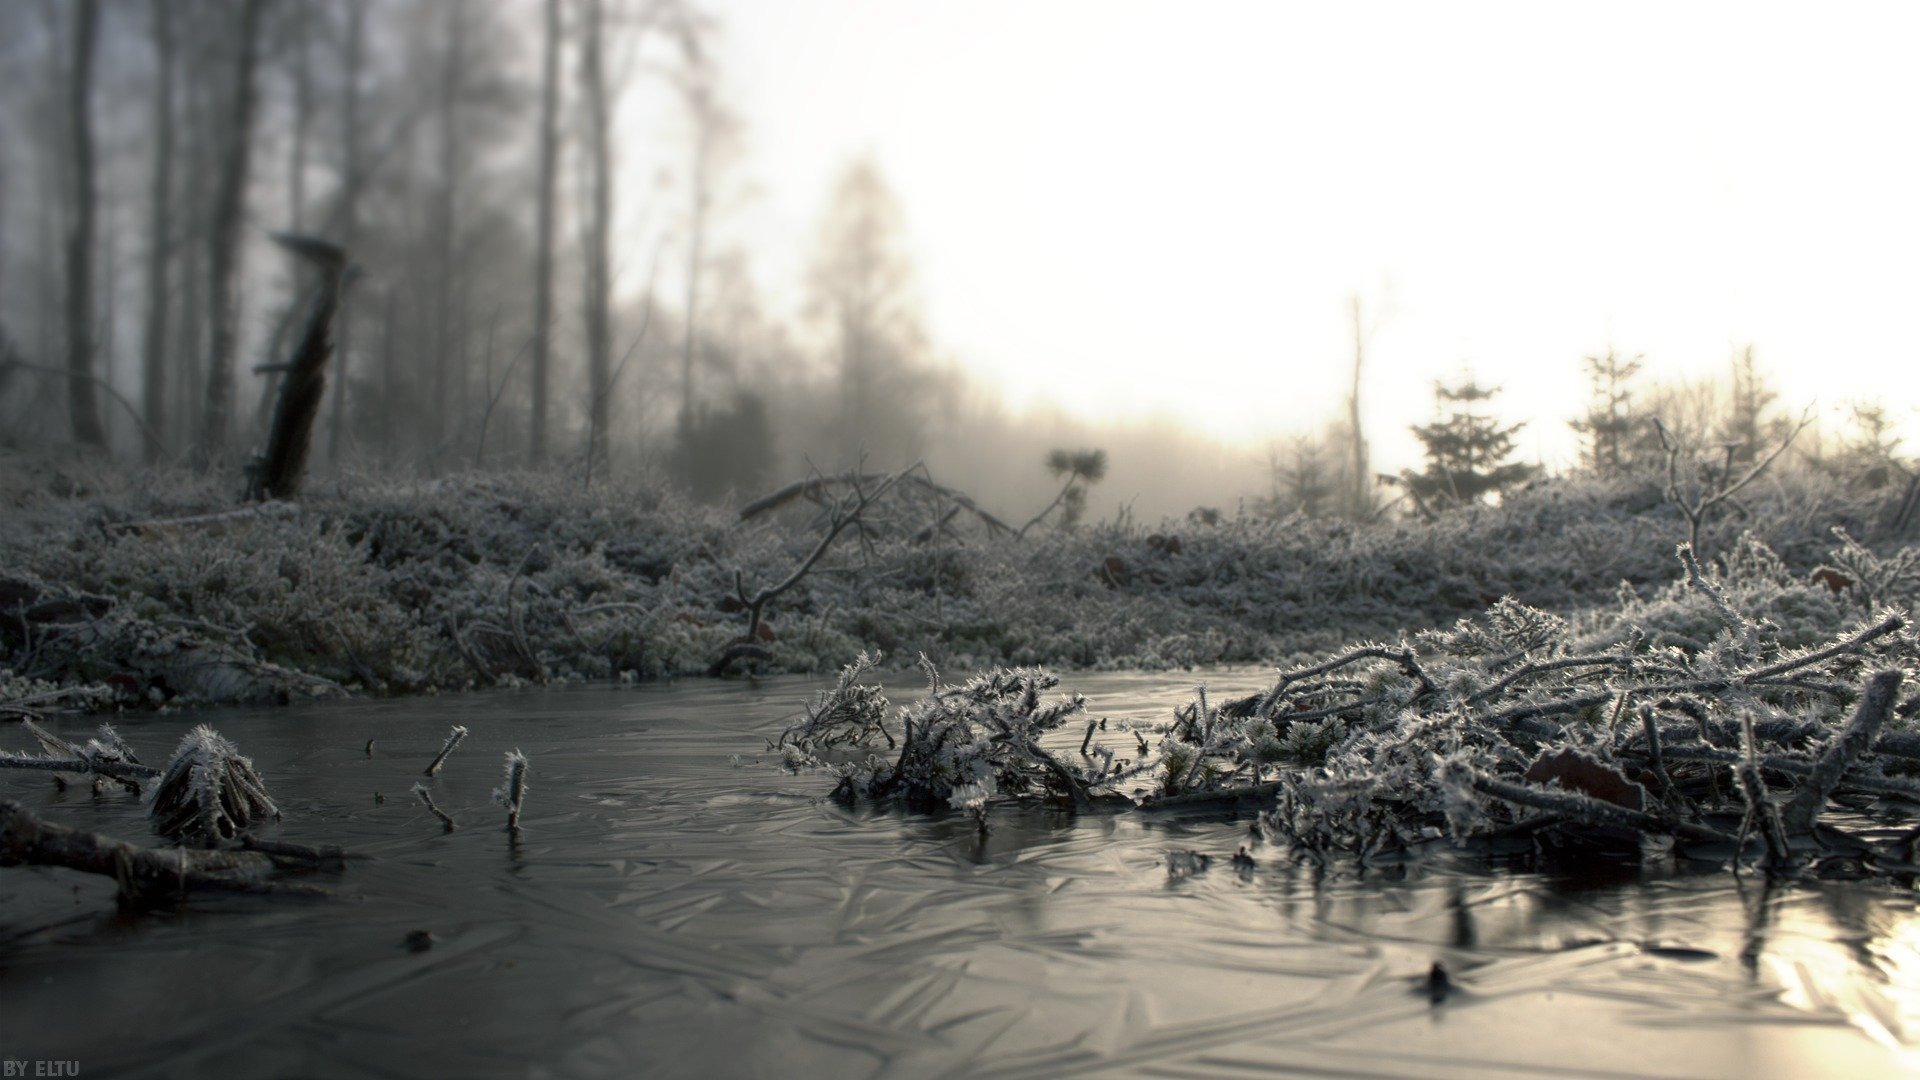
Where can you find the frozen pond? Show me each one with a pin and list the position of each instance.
(667, 911)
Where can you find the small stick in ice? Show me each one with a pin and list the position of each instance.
(426, 799)
(514, 790)
(453, 740)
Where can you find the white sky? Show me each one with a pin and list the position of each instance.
(1137, 208)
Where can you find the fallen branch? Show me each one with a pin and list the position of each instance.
(1847, 744)
(1585, 808)
(145, 875)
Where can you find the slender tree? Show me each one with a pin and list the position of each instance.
(446, 209)
(540, 373)
(1360, 490)
(1608, 427)
(223, 240)
(596, 90)
(862, 288)
(299, 26)
(354, 51)
(714, 146)
(83, 407)
(1746, 426)
(159, 241)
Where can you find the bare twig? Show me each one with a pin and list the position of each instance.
(421, 793)
(453, 739)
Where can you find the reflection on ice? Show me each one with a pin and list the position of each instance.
(663, 911)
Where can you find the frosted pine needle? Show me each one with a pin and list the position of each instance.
(514, 789)
(208, 792)
(453, 740)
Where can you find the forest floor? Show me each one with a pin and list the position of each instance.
(121, 590)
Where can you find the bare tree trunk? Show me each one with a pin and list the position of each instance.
(303, 16)
(84, 409)
(697, 227)
(356, 48)
(284, 464)
(599, 221)
(445, 219)
(223, 257)
(543, 258)
(389, 368)
(159, 241)
(1362, 482)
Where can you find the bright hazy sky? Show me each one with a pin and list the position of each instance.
(1164, 208)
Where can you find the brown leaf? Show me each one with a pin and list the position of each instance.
(1587, 775)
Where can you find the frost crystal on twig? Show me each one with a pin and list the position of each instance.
(510, 793)
(453, 740)
(426, 799)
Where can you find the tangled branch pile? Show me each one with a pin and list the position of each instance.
(961, 746)
(1723, 707)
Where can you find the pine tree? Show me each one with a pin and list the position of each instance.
(1747, 427)
(1467, 450)
(1607, 428)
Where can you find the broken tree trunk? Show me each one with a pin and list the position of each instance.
(281, 467)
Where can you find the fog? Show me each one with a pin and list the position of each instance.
(731, 243)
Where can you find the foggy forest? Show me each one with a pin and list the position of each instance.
(467, 606)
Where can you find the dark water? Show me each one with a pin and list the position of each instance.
(668, 912)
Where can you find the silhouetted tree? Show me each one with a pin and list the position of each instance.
(1746, 426)
(715, 145)
(540, 375)
(1305, 480)
(1467, 450)
(1082, 469)
(728, 450)
(223, 239)
(81, 402)
(160, 219)
(353, 48)
(861, 286)
(597, 293)
(1608, 429)
(1359, 479)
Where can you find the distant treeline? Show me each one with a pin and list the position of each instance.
(520, 300)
